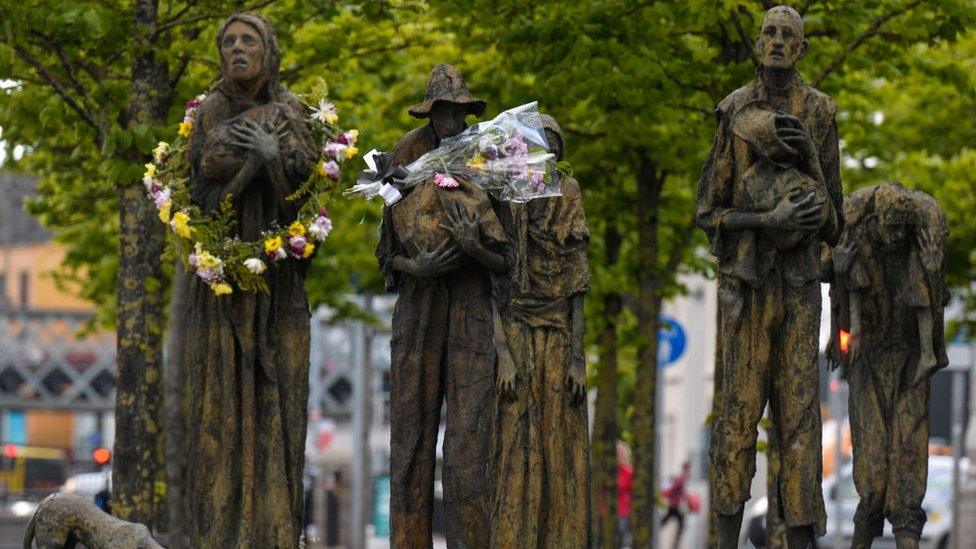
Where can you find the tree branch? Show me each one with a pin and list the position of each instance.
(60, 90)
(708, 112)
(744, 37)
(181, 19)
(174, 79)
(47, 42)
(873, 30)
(678, 250)
(582, 133)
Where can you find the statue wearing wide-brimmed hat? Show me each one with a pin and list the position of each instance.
(446, 85)
(437, 248)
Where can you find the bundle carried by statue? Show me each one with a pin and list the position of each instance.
(507, 156)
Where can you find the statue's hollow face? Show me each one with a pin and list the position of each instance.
(893, 233)
(781, 43)
(242, 52)
(555, 143)
(447, 118)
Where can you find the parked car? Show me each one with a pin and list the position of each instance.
(937, 505)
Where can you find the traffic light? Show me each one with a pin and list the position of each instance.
(845, 340)
(9, 456)
(102, 456)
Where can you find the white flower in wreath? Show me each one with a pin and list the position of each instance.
(159, 153)
(320, 228)
(325, 113)
(255, 265)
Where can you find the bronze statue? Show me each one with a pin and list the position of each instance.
(438, 247)
(888, 300)
(769, 196)
(541, 443)
(246, 356)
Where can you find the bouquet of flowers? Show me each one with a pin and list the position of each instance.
(508, 156)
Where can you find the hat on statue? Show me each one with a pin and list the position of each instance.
(445, 84)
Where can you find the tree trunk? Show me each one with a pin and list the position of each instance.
(139, 474)
(649, 184)
(605, 428)
(174, 431)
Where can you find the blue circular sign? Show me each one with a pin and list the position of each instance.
(671, 341)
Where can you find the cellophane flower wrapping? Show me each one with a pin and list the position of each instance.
(508, 156)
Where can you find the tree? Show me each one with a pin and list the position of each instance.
(914, 127)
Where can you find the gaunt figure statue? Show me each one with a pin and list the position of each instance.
(768, 198)
(438, 247)
(246, 354)
(888, 301)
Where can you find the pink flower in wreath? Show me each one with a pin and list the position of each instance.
(336, 150)
(161, 196)
(331, 170)
(445, 181)
(296, 245)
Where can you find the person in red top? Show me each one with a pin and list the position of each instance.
(625, 482)
(675, 496)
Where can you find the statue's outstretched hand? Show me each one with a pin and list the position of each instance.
(576, 382)
(926, 366)
(795, 212)
(843, 256)
(506, 375)
(439, 261)
(462, 228)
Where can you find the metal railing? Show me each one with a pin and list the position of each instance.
(43, 364)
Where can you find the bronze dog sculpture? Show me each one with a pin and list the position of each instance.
(64, 520)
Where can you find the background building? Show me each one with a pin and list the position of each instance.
(57, 390)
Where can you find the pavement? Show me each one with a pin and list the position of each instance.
(384, 543)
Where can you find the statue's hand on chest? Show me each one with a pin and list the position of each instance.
(261, 131)
(796, 136)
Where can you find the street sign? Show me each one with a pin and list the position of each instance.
(672, 341)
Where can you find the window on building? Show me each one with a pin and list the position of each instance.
(3, 289)
(24, 289)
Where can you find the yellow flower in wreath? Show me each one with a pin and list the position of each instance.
(272, 244)
(206, 260)
(309, 248)
(181, 225)
(296, 229)
(351, 152)
(186, 127)
(221, 288)
(164, 211)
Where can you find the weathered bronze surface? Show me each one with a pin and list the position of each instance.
(889, 296)
(540, 442)
(246, 354)
(769, 196)
(63, 520)
(437, 249)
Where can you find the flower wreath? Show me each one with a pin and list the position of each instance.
(206, 242)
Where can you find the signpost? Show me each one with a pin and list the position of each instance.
(672, 341)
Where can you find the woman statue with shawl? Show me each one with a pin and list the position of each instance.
(246, 354)
(541, 448)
